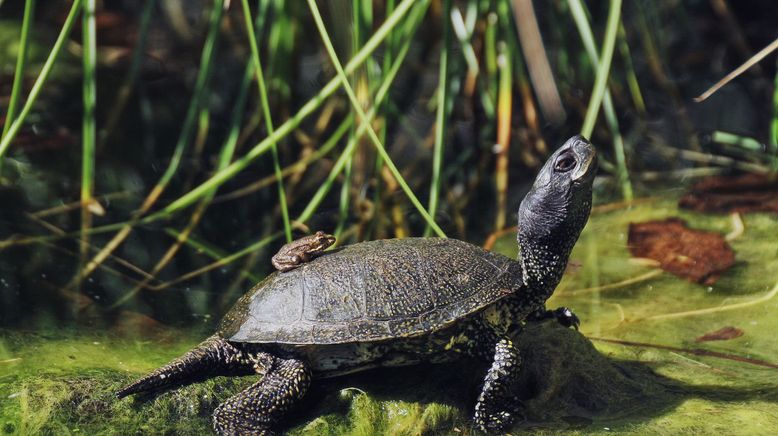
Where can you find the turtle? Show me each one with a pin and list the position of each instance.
(395, 302)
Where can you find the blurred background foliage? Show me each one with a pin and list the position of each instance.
(156, 154)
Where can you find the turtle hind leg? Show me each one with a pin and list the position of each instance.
(213, 356)
(256, 409)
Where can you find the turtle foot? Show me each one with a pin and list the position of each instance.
(563, 315)
(228, 423)
(492, 422)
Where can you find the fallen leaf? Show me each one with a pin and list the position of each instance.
(695, 255)
(726, 194)
(722, 334)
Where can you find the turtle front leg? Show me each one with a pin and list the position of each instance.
(497, 404)
(256, 409)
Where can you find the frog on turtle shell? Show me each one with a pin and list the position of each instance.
(395, 302)
(301, 250)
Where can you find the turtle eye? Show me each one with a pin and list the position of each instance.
(565, 163)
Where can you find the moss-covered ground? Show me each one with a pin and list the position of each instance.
(654, 379)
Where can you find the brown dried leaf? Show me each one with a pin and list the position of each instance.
(725, 194)
(722, 334)
(695, 255)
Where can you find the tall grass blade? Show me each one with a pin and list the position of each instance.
(603, 68)
(294, 168)
(195, 104)
(414, 20)
(201, 85)
(10, 134)
(289, 125)
(440, 115)
(225, 155)
(21, 63)
(370, 132)
(774, 123)
(504, 121)
(537, 61)
(88, 131)
(632, 78)
(267, 116)
(207, 249)
(600, 93)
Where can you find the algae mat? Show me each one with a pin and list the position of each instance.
(645, 374)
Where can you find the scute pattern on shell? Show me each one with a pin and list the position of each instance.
(372, 291)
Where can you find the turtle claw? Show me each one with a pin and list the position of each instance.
(566, 317)
(562, 315)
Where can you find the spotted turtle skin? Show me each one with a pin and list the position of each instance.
(392, 303)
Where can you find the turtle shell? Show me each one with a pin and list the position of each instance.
(372, 291)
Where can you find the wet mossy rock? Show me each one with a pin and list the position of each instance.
(564, 378)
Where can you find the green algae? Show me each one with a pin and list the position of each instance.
(733, 391)
(63, 382)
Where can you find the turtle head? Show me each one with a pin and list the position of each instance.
(554, 212)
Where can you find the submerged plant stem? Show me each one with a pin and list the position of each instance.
(723, 308)
(620, 284)
(694, 351)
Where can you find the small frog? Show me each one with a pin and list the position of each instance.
(302, 250)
